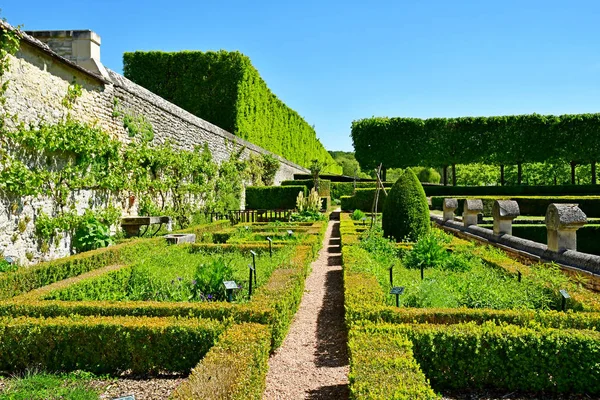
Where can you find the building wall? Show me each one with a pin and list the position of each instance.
(39, 80)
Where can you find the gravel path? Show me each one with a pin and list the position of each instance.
(312, 362)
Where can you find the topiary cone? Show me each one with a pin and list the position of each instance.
(405, 212)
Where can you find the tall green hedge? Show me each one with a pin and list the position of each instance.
(273, 197)
(225, 89)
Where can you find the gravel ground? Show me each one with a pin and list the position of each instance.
(156, 388)
(312, 362)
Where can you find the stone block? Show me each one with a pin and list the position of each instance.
(504, 211)
(449, 206)
(562, 222)
(471, 208)
(178, 238)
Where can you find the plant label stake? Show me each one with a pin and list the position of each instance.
(422, 267)
(290, 233)
(397, 290)
(250, 281)
(565, 296)
(230, 286)
(519, 275)
(254, 265)
(391, 275)
(270, 246)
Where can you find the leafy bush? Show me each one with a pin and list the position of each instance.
(91, 234)
(372, 240)
(357, 215)
(406, 213)
(38, 386)
(208, 280)
(427, 175)
(363, 200)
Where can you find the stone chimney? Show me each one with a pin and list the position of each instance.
(81, 47)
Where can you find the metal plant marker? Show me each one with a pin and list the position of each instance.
(254, 265)
(128, 397)
(290, 233)
(565, 296)
(392, 275)
(230, 286)
(519, 275)
(270, 246)
(251, 269)
(397, 290)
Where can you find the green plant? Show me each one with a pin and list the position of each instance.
(41, 386)
(273, 197)
(405, 212)
(428, 252)
(208, 280)
(357, 215)
(91, 234)
(74, 91)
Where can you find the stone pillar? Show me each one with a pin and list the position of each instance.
(562, 222)
(449, 206)
(471, 208)
(504, 211)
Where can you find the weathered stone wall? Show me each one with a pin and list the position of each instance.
(39, 79)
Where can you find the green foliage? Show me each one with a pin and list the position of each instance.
(74, 92)
(383, 366)
(324, 185)
(425, 175)
(225, 89)
(91, 234)
(428, 252)
(357, 215)
(504, 140)
(261, 169)
(339, 189)
(45, 386)
(350, 167)
(106, 344)
(381, 248)
(406, 213)
(208, 280)
(363, 199)
(273, 197)
(239, 359)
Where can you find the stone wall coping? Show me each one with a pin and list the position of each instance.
(565, 217)
(505, 209)
(473, 206)
(583, 261)
(450, 204)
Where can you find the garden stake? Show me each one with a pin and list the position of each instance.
(250, 281)
(270, 246)
(565, 296)
(397, 290)
(422, 266)
(519, 272)
(254, 265)
(391, 275)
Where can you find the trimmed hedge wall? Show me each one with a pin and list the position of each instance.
(273, 197)
(106, 344)
(506, 357)
(521, 190)
(324, 185)
(383, 367)
(363, 200)
(235, 368)
(225, 89)
(530, 206)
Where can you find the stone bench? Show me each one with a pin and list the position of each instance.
(132, 225)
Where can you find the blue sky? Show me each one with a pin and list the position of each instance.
(337, 61)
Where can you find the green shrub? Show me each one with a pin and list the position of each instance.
(357, 215)
(383, 367)
(324, 185)
(406, 213)
(427, 175)
(105, 344)
(273, 197)
(235, 368)
(363, 200)
(91, 234)
(428, 252)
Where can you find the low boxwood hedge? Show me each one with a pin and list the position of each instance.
(103, 345)
(273, 197)
(235, 368)
(363, 200)
(324, 185)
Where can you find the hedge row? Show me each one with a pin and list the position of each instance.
(25, 279)
(530, 206)
(325, 185)
(383, 367)
(363, 200)
(506, 357)
(106, 344)
(225, 89)
(502, 140)
(273, 197)
(521, 190)
(235, 368)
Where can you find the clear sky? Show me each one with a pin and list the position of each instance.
(337, 61)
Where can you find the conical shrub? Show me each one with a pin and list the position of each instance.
(405, 213)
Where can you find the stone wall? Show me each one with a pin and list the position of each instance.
(39, 79)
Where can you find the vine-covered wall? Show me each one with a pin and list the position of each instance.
(77, 149)
(225, 89)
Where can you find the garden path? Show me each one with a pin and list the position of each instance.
(312, 362)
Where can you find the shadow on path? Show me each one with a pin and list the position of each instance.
(329, 392)
(331, 331)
